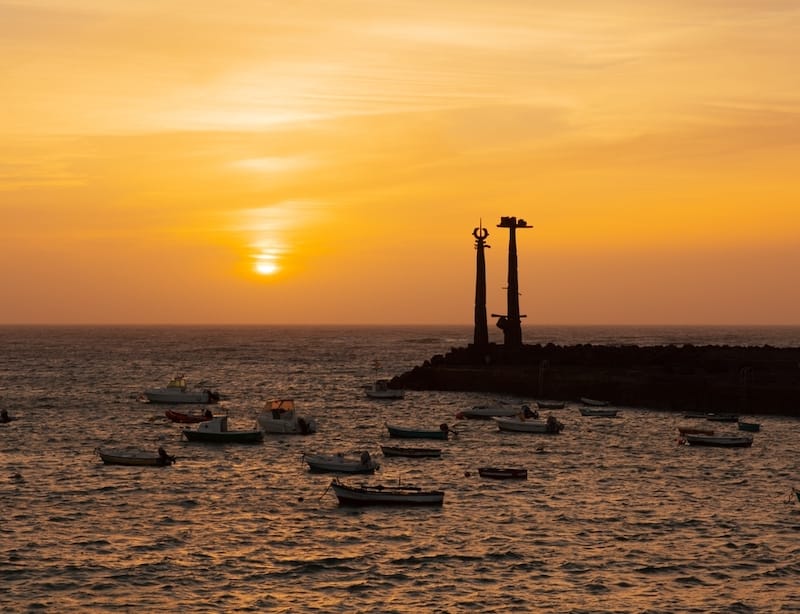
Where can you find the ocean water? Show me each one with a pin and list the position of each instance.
(615, 516)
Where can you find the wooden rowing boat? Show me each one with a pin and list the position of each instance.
(385, 495)
(411, 452)
(135, 458)
(503, 473)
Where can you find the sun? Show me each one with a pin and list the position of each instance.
(266, 261)
(266, 268)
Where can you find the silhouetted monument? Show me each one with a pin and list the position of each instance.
(511, 323)
(481, 337)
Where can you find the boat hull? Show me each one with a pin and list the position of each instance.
(593, 402)
(719, 441)
(499, 473)
(197, 397)
(225, 437)
(182, 418)
(752, 427)
(551, 404)
(135, 459)
(412, 433)
(487, 413)
(598, 412)
(529, 426)
(386, 495)
(330, 463)
(411, 452)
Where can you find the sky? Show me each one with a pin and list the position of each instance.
(325, 162)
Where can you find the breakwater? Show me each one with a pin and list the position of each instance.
(711, 378)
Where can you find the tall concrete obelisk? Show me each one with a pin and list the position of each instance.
(481, 337)
(511, 323)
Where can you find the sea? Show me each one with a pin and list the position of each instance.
(615, 516)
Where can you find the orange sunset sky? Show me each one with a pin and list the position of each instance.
(326, 161)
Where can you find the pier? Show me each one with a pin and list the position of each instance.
(721, 379)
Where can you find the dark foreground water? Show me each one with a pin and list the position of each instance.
(614, 516)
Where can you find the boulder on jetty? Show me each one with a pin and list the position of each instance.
(743, 379)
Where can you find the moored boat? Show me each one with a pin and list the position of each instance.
(280, 417)
(178, 391)
(551, 426)
(216, 431)
(485, 412)
(183, 418)
(599, 412)
(690, 430)
(753, 427)
(503, 473)
(593, 402)
(340, 463)
(385, 495)
(719, 441)
(379, 389)
(722, 417)
(411, 452)
(418, 433)
(137, 458)
(551, 404)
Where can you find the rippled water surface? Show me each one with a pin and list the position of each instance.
(614, 516)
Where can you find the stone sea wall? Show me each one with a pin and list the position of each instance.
(722, 379)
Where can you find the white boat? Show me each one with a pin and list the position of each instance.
(719, 441)
(599, 412)
(216, 431)
(379, 389)
(525, 425)
(178, 391)
(484, 412)
(385, 495)
(340, 463)
(280, 416)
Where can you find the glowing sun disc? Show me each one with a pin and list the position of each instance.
(266, 268)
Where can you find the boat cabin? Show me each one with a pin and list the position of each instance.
(217, 424)
(280, 408)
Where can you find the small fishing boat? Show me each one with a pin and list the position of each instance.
(722, 417)
(485, 412)
(379, 389)
(280, 416)
(690, 430)
(796, 492)
(551, 426)
(599, 412)
(551, 404)
(593, 402)
(385, 495)
(5, 418)
(182, 418)
(719, 441)
(339, 463)
(753, 427)
(418, 433)
(178, 391)
(411, 452)
(500, 473)
(216, 431)
(136, 458)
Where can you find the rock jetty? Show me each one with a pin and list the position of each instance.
(720, 379)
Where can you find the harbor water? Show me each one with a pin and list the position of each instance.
(615, 515)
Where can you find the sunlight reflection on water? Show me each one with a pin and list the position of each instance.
(614, 515)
